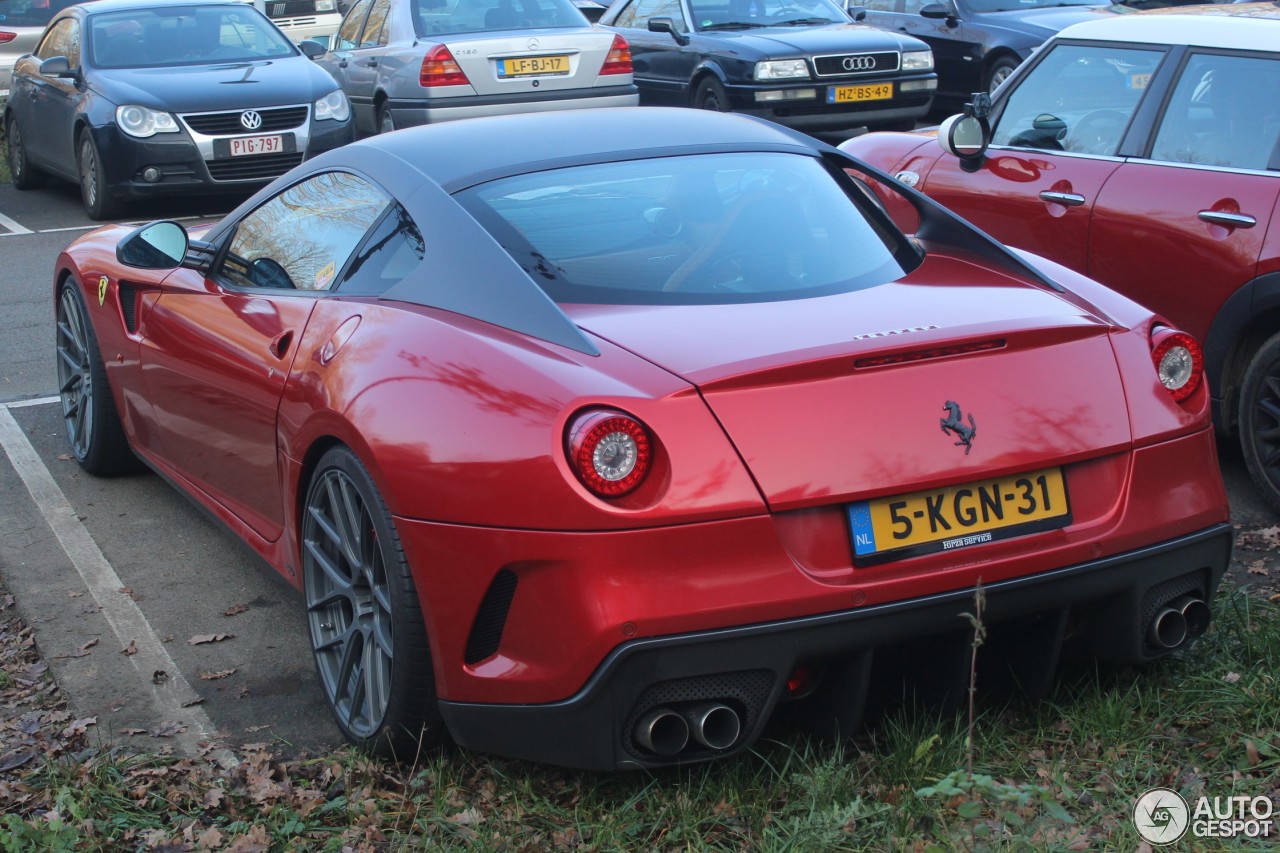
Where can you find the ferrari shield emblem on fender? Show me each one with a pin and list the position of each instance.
(953, 424)
(102, 290)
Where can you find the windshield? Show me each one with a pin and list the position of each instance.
(436, 17)
(187, 35)
(739, 14)
(1019, 5)
(755, 227)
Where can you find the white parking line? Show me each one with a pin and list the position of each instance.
(126, 619)
(14, 227)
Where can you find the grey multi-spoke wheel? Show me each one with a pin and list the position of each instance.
(366, 628)
(1260, 419)
(24, 175)
(93, 427)
(999, 72)
(94, 193)
(386, 124)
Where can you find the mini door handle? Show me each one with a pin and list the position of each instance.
(1231, 220)
(1069, 199)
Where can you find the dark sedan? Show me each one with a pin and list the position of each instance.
(135, 100)
(978, 43)
(801, 63)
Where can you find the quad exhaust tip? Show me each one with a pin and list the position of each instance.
(1180, 620)
(662, 731)
(714, 725)
(667, 732)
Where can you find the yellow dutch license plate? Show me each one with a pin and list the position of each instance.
(533, 66)
(849, 94)
(958, 516)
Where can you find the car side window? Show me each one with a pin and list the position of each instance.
(1078, 98)
(62, 40)
(637, 14)
(349, 33)
(392, 250)
(880, 5)
(1216, 117)
(375, 29)
(913, 7)
(301, 239)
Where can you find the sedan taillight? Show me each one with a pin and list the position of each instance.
(610, 452)
(439, 68)
(619, 59)
(1179, 361)
(7, 36)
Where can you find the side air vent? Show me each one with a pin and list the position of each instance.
(129, 306)
(491, 618)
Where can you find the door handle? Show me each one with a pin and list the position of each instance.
(1069, 199)
(1231, 220)
(342, 63)
(280, 346)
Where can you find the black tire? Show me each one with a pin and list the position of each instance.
(94, 430)
(21, 172)
(367, 632)
(1260, 419)
(998, 73)
(94, 192)
(386, 124)
(710, 95)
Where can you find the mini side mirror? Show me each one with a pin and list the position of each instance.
(965, 137)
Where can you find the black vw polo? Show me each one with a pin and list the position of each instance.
(135, 99)
(801, 63)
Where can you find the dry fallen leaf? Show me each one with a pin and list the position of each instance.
(191, 702)
(214, 676)
(1251, 750)
(200, 639)
(133, 731)
(131, 649)
(1231, 677)
(234, 609)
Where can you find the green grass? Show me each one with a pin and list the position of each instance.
(1057, 775)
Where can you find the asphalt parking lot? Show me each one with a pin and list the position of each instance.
(154, 621)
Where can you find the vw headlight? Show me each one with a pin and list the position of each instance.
(142, 122)
(333, 105)
(326, 5)
(782, 69)
(917, 60)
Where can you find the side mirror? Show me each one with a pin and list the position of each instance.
(940, 11)
(154, 246)
(965, 137)
(668, 26)
(312, 48)
(855, 12)
(56, 66)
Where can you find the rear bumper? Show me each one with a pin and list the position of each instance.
(407, 113)
(1100, 607)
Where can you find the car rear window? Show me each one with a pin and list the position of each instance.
(435, 17)
(30, 13)
(752, 227)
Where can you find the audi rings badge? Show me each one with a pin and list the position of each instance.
(859, 63)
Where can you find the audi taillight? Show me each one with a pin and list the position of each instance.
(619, 59)
(609, 451)
(1179, 361)
(439, 68)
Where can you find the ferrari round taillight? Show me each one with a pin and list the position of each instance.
(439, 68)
(1179, 361)
(619, 59)
(611, 452)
